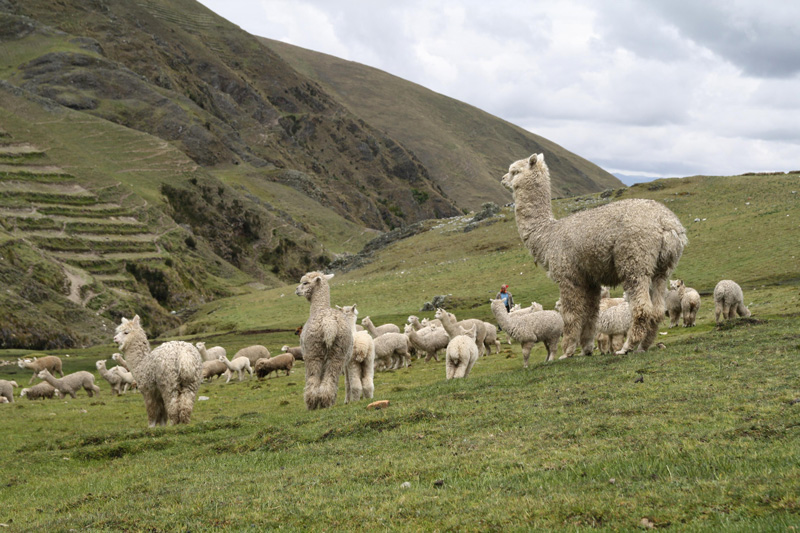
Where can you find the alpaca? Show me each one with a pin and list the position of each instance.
(391, 351)
(239, 365)
(613, 322)
(462, 352)
(417, 325)
(729, 300)
(359, 371)
(210, 354)
(126, 378)
(113, 378)
(266, 365)
(212, 369)
(636, 243)
(296, 351)
(41, 390)
(530, 328)
(682, 300)
(379, 330)
(606, 343)
(7, 390)
(121, 361)
(168, 377)
(449, 324)
(253, 353)
(71, 383)
(429, 339)
(491, 338)
(49, 362)
(326, 340)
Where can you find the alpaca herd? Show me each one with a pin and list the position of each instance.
(635, 244)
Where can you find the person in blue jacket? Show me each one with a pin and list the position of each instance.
(504, 295)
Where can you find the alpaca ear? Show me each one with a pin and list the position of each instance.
(136, 320)
(533, 159)
(328, 276)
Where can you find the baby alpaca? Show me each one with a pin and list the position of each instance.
(48, 362)
(614, 322)
(71, 383)
(682, 300)
(112, 377)
(326, 339)
(461, 354)
(729, 300)
(636, 243)
(168, 377)
(239, 364)
(449, 324)
(212, 369)
(429, 339)
(359, 371)
(41, 390)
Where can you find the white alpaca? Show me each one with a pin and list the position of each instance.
(379, 330)
(71, 383)
(530, 328)
(429, 339)
(449, 324)
(239, 365)
(391, 351)
(168, 377)
(461, 354)
(359, 371)
(210, 354)
(606, 343)
(112, 377)
(7, 389)
(729, 300)
(41, 390)
(614, 322)
(490, 341)
(636, 243)
(682, 300)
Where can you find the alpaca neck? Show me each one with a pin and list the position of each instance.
(415, 324)
(320, 299)
(500, 314)
(351, 321)
(137, 349)
(227, 362)
(534, 214)
(50, 379)
(449, 325)
(372, 329)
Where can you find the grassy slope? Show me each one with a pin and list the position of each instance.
(708, 441)
(465, 148)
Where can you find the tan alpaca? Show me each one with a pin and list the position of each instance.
(359, 371)
(635, 243)
(326, 340)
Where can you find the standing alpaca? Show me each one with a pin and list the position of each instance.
(71, 383)
(114, 379)
(239, 364)
(636, 243)
(429, 339)
(682, 300)
(359, 371)
(530, 328)
(449, 324)
(210, 354)
(326, 339)
(729, 300)
(377, 331)
(461, 354)
(168, 377)
(48, 362)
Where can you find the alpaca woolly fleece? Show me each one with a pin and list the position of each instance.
(461, 354)
(491, 338)
(40, 390)
(614, 322)
(635, 243)
(530, 328)
(264, 367)
(71, 383)
(429, 339)
(359, 370)
(729, 300)
(240, 365)
(326, 340)
(391, 351)
(168, 377)
(450, 323)
(606, 343)
(682, 301)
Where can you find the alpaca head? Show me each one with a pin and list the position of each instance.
(100, 364)
(23, 393)
(126, 329)
(524, 167)
(311, 282)
(285, 348)
(412, 319)
(675, 284)
(408, 328)
(200, 345)
(471, 332)
(43, 374)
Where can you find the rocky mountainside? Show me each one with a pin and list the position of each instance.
(154, 156)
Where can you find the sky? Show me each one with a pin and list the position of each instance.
(643, 88)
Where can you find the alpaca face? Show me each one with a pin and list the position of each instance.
(124, 331)
(675, 284)
(521, 167)
(100, 364)
(310, 282)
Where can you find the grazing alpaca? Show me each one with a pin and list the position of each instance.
(71, 383)
(636, 243)
(326, 339)
(359, 371)
(729, 300)
(530, 328)
(168, 377)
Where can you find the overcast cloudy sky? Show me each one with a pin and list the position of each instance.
(640, 87)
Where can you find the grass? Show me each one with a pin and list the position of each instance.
(708, 441)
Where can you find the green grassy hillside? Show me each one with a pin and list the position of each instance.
(466, 149)
(700, 435)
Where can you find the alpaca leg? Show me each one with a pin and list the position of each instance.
(552, 348)
(313, 375)
(638, 291)
(60, 372)
(469, 366)
(352, 383)
(154, 408)
(329, 386)
(185, 405)
(526, 353)
(571, 313)
(591, 308)
(367, 375)
(717, 312)
(732, 311)
(616, 343)
(450, 369)
(497, 347)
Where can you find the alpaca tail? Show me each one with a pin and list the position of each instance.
(189, 370)
(183, 408)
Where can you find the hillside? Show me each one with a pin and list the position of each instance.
(465, 149)
(155, 157)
